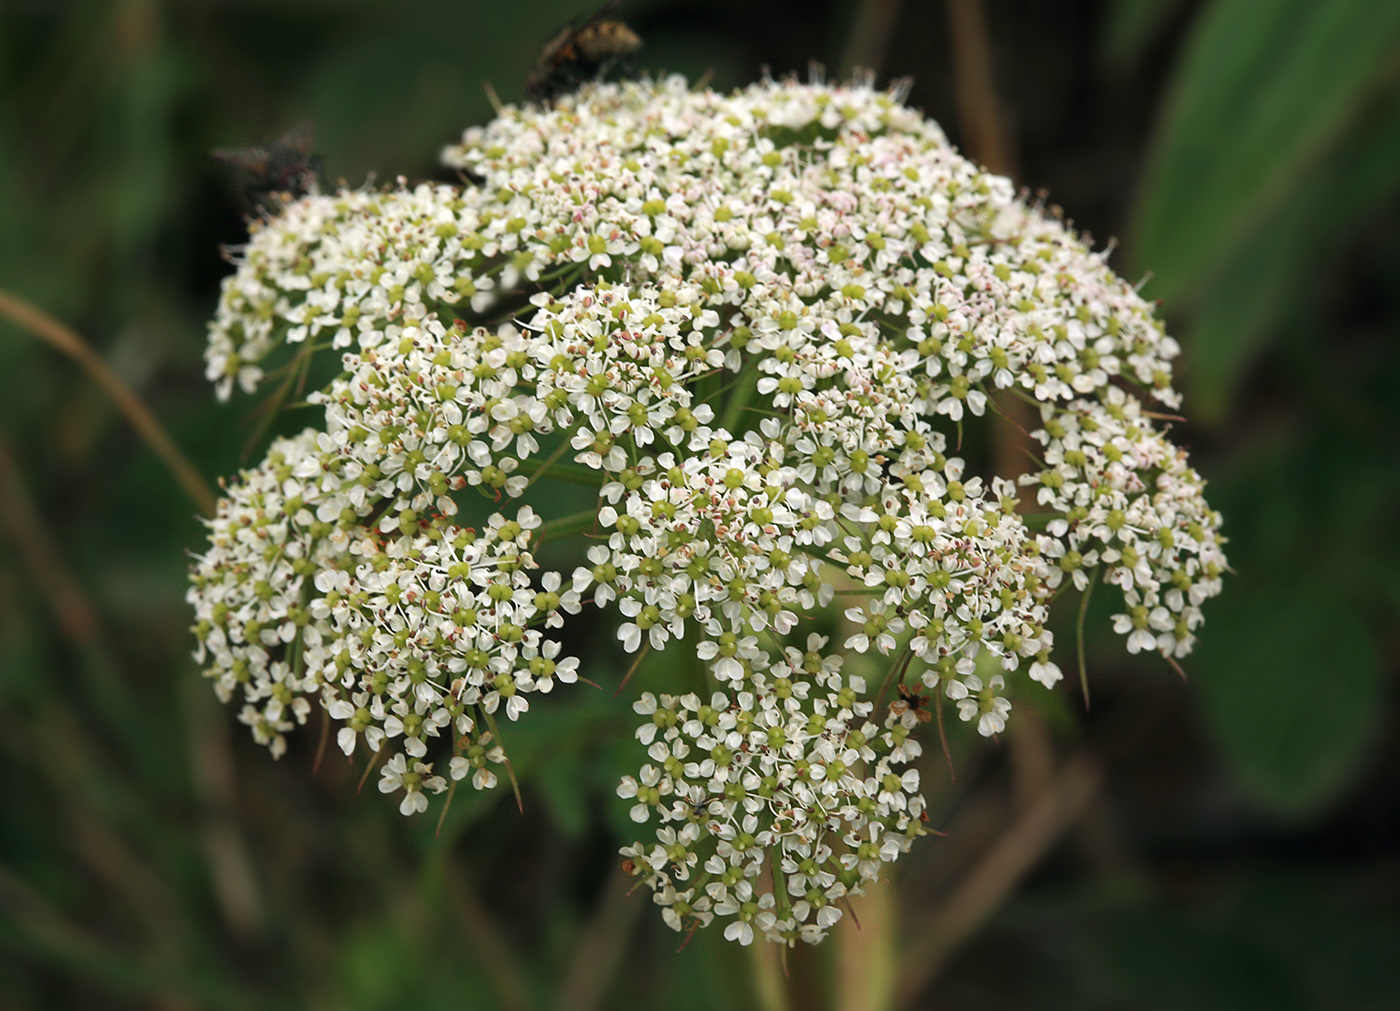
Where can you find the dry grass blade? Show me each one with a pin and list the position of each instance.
(870, 35)
(984, 135)
(601, 947)
(59, 336)
(500, 964)
(1023, 843)
(70, 606)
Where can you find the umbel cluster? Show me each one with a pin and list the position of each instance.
(758, 326)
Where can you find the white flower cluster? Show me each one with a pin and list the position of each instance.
(784, 775)
(758, 322)
(403, 628)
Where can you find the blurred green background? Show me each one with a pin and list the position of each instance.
(1233, 842)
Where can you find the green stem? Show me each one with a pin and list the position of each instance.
(943, 732)
(898, 669)
(585, 476)
(641, 655)
(780, 891)
(745, 387)
(1039, 521)
(567, 526)
(447, 806)
(1079, 634)
(550, 460)
(490, 720)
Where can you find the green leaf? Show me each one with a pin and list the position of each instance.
(561, 785)
(1265, 91)
(1129, 28)
(1296, 934)
(1158, 960)
(1328, 922)
(1288, 676)
(1241, 314)
(1266, 283)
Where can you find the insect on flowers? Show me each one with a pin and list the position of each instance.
(581, 51)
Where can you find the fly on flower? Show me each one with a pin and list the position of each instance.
(581, 51)
(700, 809)
(287, 165)
(911, 701)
